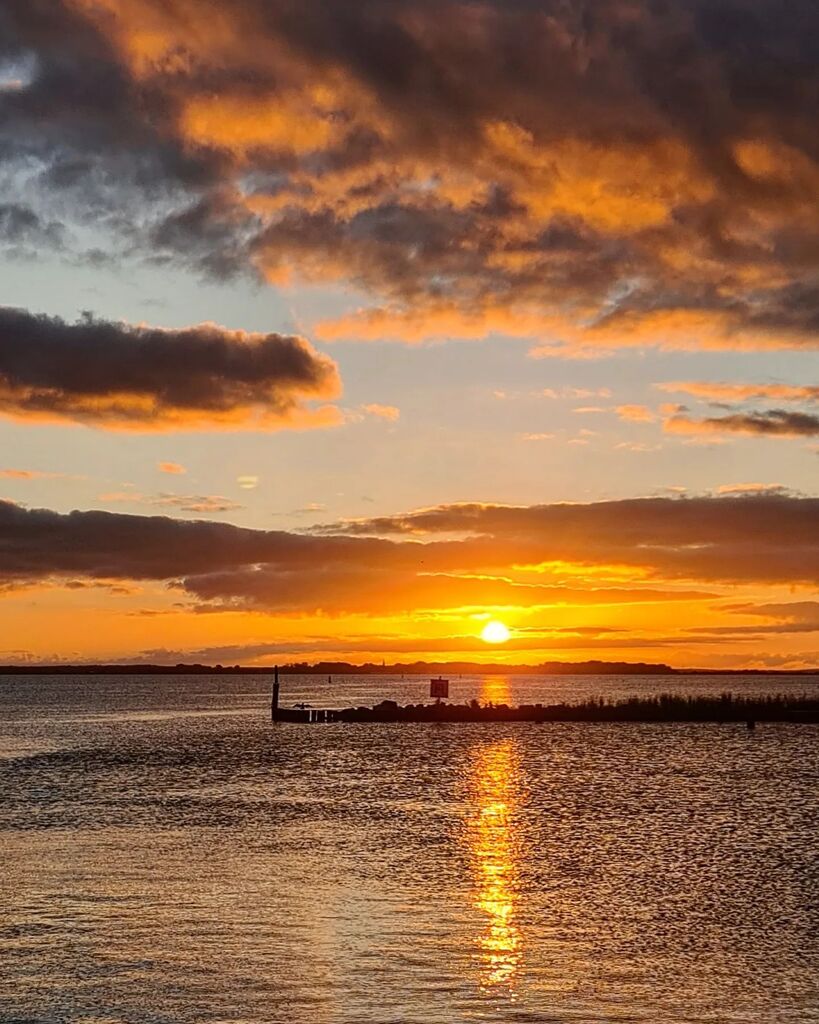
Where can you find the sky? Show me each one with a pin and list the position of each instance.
(341, 330)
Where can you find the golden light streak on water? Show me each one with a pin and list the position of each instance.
(496, 858)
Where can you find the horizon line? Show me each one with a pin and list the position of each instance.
(588, 667)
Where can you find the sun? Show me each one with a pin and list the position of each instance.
(495, 633)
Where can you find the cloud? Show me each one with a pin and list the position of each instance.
(733, 392)
(382, 412)
(23, 230)
(753, 489)
(761, 538)
(770, 423)
(620, 175)
(443, 558)
(206, 503)
(359, 589)
(635, 413)
(781, 618)
(195, 502)
(796, 613)
(372, 410)
(305, 510)
(576, 393)
(36, 474)
(124, 377)
(311, 509)
(173, 468)
(637, 446)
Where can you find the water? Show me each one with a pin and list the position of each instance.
(170, 856)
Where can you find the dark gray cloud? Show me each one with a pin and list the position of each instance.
(80, 102)
(117, 375)
(23, 230)
(37, 543)
(397, 564)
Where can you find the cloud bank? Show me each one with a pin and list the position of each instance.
(451, 556)
(595, 175)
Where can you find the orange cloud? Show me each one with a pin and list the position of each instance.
(635, 413)
(752, 489)
(174, 468)
(567, 193)
(18, 474)
(770, 423)
(731, 392)
(241, 125)
(36, 474)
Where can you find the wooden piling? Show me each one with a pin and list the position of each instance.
(274, 703)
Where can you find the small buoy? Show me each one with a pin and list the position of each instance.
(751, 725)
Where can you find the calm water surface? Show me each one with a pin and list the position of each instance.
(169, 855)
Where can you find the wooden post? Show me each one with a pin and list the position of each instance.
(274, 703)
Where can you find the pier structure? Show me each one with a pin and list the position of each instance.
(667, 707)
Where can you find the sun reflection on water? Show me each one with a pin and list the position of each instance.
(495, 690)
(496, 862)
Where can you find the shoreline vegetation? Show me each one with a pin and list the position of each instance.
(666, 707)
(421, 668)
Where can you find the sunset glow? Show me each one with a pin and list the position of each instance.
(373, 357)
(409, 510)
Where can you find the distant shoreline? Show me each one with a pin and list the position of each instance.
(413, 669)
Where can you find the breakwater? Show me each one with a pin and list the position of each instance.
(726, 707)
